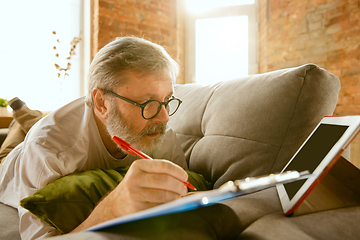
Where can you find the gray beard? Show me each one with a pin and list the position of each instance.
(117, 126)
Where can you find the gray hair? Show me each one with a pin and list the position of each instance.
(127, 54)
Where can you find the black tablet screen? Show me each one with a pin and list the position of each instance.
(313, 152)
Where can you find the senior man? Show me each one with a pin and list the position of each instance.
(130, 95)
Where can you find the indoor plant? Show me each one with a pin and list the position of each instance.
(3, 107)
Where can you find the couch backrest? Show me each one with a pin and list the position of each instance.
(252, 125)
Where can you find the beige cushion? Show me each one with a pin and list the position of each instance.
(252, 125)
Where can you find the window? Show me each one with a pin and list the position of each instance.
(221, 40)
(27, 57)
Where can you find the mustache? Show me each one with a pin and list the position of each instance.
(155, 128)
(135, 140)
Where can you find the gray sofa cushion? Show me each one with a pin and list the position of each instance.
(9, 223)
(336, 224)
(249, 208)
(253, 125)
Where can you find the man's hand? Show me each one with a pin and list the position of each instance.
(147, 183)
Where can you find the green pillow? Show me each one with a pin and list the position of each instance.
(68, 201)
(198, 181)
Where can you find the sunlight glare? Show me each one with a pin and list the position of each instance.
(197, 6)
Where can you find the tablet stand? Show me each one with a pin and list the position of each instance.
(339, 187)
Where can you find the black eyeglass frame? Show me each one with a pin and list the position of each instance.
(143, 105)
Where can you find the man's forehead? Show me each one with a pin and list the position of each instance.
(132, 76)
(147, 84)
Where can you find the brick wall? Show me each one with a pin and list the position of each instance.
(324, 32)
(161, 21)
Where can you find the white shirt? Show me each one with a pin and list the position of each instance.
(63, 142)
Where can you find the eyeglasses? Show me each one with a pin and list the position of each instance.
(151, 108)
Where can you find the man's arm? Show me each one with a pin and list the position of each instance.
(147, 183)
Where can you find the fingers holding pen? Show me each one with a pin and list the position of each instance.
(161, 166)
(159, 176)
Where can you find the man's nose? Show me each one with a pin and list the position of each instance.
(163, 115)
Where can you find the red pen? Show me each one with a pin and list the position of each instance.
(133, 151)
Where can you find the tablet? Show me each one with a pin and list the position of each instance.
(317, 154)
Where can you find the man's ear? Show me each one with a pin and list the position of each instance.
(100, 102)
